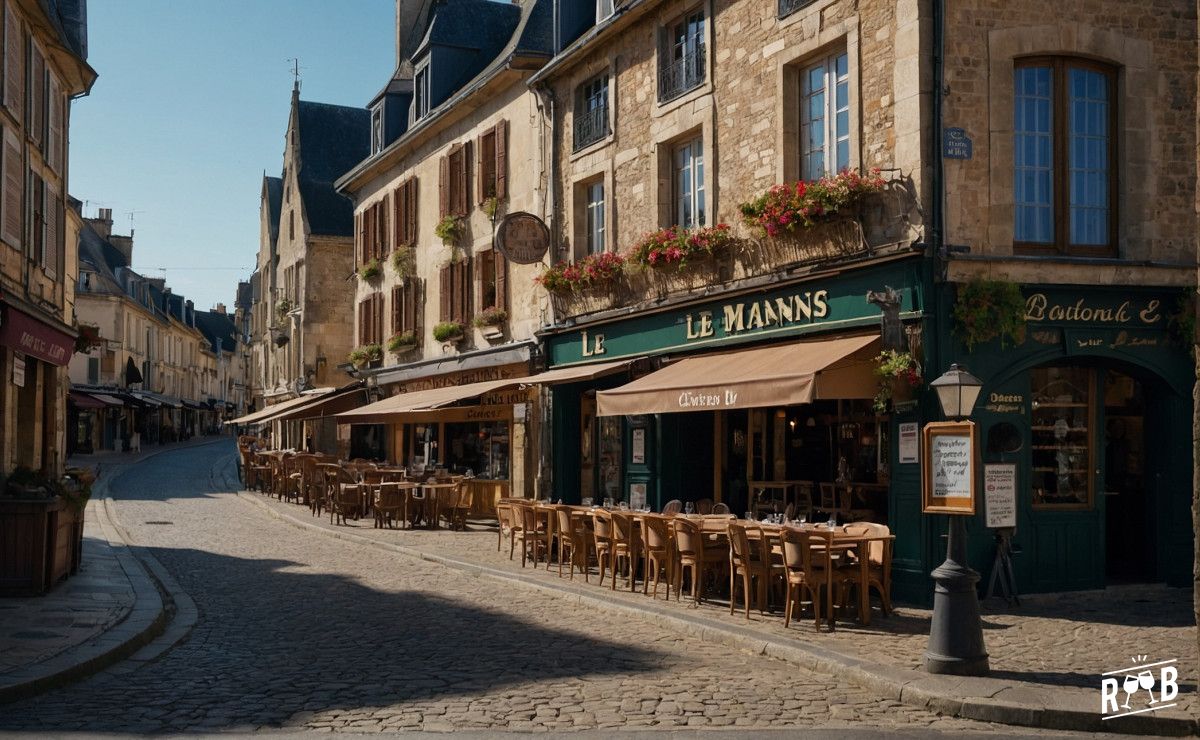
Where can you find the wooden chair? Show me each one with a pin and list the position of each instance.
(704, 506)
(804, 499)
(389, 504)
(260, 472)
(533, 536)
(692, 555)
(602, 536)
(879, 561)
(504, 523)
(658, 551)
(829, 499)
(344, 496)
(460, 506)
(803, 573)
(673, 507)
(747, 561)
(572, 542)
(720, 508)
(627, 545)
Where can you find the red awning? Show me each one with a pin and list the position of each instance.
(23, 333)
(84, 401)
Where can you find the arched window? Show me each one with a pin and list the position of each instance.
(1064, 157)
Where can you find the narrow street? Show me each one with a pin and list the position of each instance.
(299, 631)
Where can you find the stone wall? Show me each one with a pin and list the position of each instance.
(745, 111)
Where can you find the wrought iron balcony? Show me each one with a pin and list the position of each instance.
(787, 7)
(681, 73)
(591, 126)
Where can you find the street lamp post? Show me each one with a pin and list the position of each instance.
(956, 633)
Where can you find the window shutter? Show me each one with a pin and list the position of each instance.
(444, 186)
(412, 293)
(461, 300)
(37, 95)
(462, 204)
(480, 171)
(362, 323)
(397, 309)
(445, 308)
(14, 68)
(501, 160)
(50, 249)
(360, 230)
(501, 280)
(399, 199)
(14, 186)
(385, 235)
(411, 215)
(379, 317)
(54, 145)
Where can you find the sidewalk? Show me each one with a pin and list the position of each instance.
(1046, 656)
(97, 617)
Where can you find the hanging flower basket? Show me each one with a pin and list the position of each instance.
(899, 376)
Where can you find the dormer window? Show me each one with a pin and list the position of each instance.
(421, 93)
(604, 8)
(377, 129)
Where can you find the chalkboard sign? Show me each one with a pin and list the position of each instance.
(948, 468)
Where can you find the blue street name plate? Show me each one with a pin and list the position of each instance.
(955, 144)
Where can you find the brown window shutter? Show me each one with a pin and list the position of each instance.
(54, 145)
(411, 215)
(398, 199)
(360, 230)
(50, 216)
(379, 317)
(501, 280)
(464, 180)
(14, 67)
(461, 293)
(444, 287)
(362, 323)
(444, 186)
(385, 236)
(480, 172)
(501, 160)
(14, 190)
(37, 95)
(412, 292)
(397, 309)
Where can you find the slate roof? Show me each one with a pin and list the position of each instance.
(218, 329)
(103, 258)
(273, 190)
(333, 138)
(492, 29)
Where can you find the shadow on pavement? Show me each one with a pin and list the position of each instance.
(277, 638)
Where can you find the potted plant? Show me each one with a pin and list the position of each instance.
(489, 320)
(448, 332)
(491, 205)
(365, 355)
(798, 205)
(449, 229)
(370, 270)
(899, 375)
(402, 342)
(283, 307)
(88, 339)
(676, 248)
(987, 310)
(404, 261)
(597, 270)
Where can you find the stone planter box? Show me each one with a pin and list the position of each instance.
(43, 544)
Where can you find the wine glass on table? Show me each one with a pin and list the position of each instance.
(688, 508)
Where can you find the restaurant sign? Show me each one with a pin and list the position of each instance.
(796, 309)
(23, 333)
(1116, 310)
(523, 238)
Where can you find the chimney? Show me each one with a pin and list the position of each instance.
(102, 223)
(124, 245)
(219, 308)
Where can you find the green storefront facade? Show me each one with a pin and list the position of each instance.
(1093, 408)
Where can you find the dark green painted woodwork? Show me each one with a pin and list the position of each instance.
(843, 298)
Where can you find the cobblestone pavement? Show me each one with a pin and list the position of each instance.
(299, 631)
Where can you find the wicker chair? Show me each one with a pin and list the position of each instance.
(627, 545)
(658, 551)
(673, 507)
(747, 561)
(504, 523)
(602, 536)
(879, 562)
(803, 574)
(345, 496)
(720, 508)
(534, 538)
(691, 555)
(572, 542)
(391, 504)
(704, 506)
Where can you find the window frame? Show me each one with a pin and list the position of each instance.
(697, 44)
(594, 217)
(583, 99)
(831, 80)
(1060, 201)
(697, 197)
(421, 92)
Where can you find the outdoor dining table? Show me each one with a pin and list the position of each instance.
(836, 540)
(433, 501)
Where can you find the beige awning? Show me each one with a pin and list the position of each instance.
(327, 405)
(394, 408)
(269, 413)
(780, 375)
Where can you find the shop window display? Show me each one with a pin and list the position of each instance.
(1062, 437)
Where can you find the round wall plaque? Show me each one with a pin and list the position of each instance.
(523, 238)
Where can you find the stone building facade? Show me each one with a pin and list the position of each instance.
(301, 318)
(45, 67)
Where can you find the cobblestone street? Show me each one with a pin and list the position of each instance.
(300, 631)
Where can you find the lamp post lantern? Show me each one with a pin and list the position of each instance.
(956, 632)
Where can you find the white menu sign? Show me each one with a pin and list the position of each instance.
(909, 442)
(950, 459)
(1000, 494)
(637, 495)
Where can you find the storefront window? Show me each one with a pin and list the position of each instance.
(610, 457)
(478, 448)
(1062, 437)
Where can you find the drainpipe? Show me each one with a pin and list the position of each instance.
(937, 183)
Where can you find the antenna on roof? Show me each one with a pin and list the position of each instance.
(295, 73)
(130, 214)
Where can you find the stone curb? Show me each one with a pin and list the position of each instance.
(162, 615)
(982, 699)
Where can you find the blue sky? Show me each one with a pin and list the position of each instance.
(191, 106)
